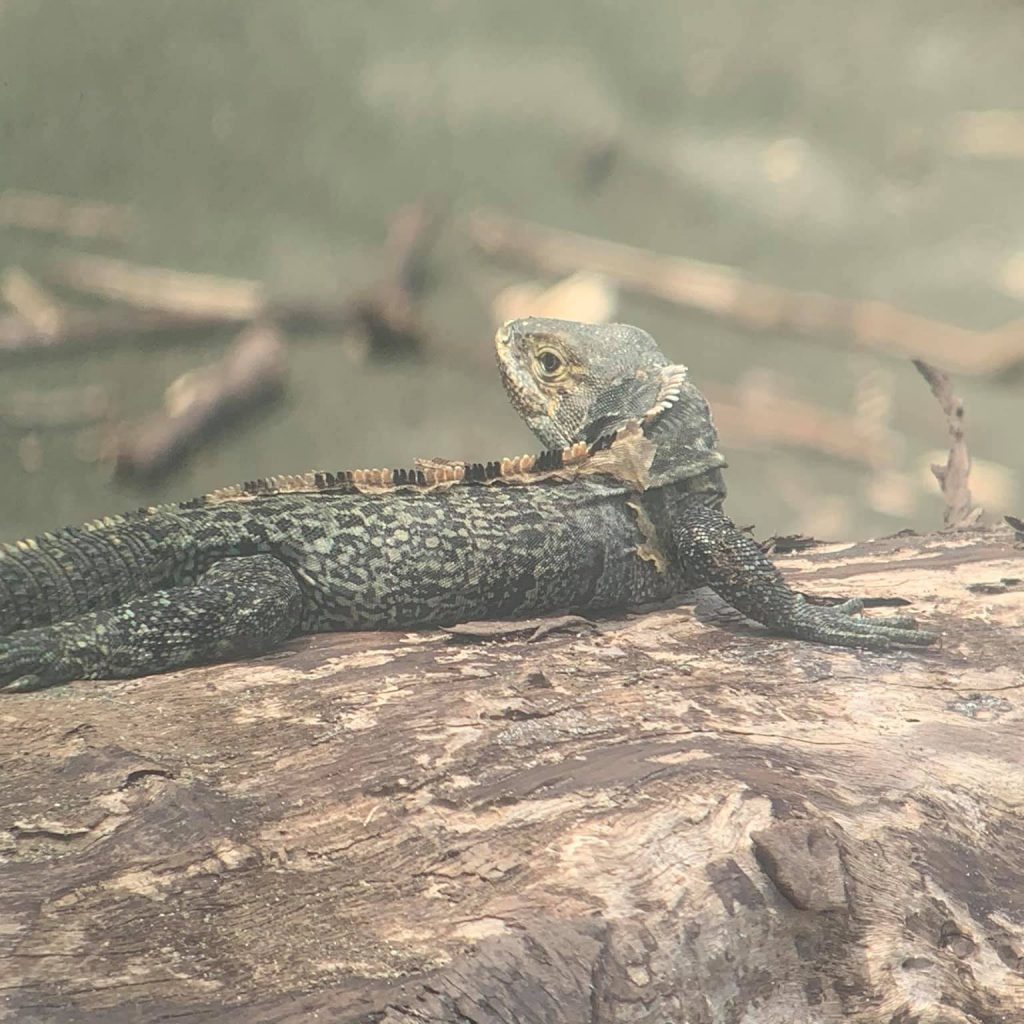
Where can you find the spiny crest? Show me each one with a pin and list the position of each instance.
(427, 474)
(432, 474)
(672, 380)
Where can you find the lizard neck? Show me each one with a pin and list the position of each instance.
(686, 442)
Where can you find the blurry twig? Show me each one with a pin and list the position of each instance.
(990, 134)
(953, 477)
(387, 310)
(723, 291)
(411, 236)
(84, 328)
(889, 489)
(31, 301)
(755, 415)
(167, 291)
(75, 218)
(198, 404)
(580, 296)
(57, 409)
(386, 306)
(168, 302)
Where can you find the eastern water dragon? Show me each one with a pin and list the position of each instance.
(623, 508)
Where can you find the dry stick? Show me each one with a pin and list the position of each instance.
(385, 309)
(167, 291)
(580, 296)
(788, 421)
(56, 409)
(172, 302)
(725, 292)
(75, 218)
(988, 134)
(953, 477)
(250, 376)
(82, 329)
(31, 301)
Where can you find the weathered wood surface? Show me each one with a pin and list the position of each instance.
(660, 821)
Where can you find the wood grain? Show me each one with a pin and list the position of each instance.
(659, 821)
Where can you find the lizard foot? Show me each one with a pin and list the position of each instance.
(842, 625)
(854, 606)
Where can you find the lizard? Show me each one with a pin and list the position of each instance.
(623, 508)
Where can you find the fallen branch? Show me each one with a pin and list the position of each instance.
(988, 134)
(386, 311)
(168, 291)
(580, 296)
(75, 218)
(752, 420)
(57, 409)
(169, 302)
(31, 301)
(84, 329)
(202, 402)
(725, 292)
(954, 476)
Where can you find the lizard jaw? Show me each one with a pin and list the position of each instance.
(536, 408)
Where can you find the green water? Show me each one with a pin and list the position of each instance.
(270, 140)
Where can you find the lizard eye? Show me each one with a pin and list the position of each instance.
(550, 363)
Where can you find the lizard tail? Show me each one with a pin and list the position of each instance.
(82, 568)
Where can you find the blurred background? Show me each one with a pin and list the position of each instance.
(795, 198)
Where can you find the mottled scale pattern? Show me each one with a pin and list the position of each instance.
(399, 560)
(103, 563)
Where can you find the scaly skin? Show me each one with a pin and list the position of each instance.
(633, 518)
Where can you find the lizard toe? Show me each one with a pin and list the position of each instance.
(855, 605)
(902, 622)
(890, 634)
(835, 625)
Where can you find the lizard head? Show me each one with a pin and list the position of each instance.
(573, 381)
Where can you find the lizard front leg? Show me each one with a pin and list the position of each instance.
(240, 607)
(715, 554)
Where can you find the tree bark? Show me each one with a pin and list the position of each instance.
(660, 820)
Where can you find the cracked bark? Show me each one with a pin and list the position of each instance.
(659, 821)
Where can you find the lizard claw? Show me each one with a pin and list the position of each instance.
(843, 626)
(854, 606)
(904, 622)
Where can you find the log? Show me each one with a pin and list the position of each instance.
(658, 821)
